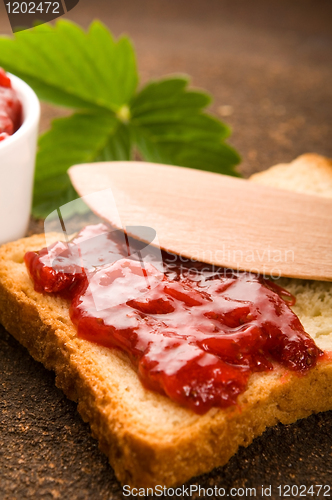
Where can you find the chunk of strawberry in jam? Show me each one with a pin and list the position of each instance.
(48, 280)
(4, 79)
(57, 268)
(195, 339)
(202, 380)
(6, 124)
(3, 136)
(10, 107)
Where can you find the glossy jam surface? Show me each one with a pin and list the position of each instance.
(10, 107)
(192, 332)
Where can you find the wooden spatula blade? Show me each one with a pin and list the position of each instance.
(217, 219)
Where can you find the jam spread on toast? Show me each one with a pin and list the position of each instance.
(193, 333)
(10, 107)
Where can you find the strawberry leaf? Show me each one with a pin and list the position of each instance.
(69, 67)
(80, 138)
(90, 72)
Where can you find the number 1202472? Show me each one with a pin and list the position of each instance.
(293, 490)
(33, 7)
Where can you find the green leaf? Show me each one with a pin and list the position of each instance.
(201, 154)
(169, 126)
(80, 138)
(118, 147)
(172, 92)
(69, 67)
(166, 122)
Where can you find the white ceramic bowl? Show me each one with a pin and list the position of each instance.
(17, 162)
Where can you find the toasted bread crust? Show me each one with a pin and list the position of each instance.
(148, 438)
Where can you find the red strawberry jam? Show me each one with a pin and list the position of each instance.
(10, 107)
(193, 333)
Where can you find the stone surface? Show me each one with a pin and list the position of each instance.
(268, 64)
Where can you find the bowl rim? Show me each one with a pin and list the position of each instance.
(31, 110)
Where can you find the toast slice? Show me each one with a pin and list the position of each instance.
(149, 439)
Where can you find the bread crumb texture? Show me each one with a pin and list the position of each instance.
(148, 438)
(309, 173)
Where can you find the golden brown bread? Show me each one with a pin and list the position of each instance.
(148, 438)
(309, 173)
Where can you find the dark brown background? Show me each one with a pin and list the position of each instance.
(268, 64)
